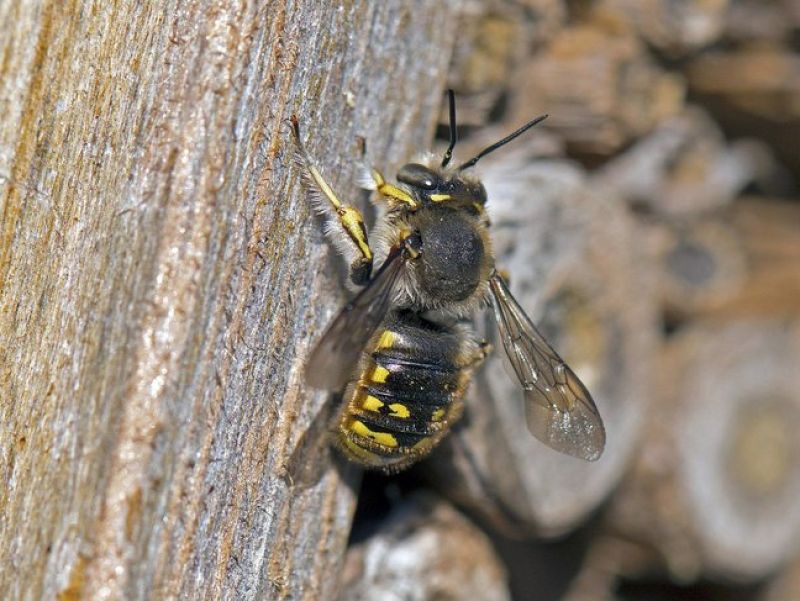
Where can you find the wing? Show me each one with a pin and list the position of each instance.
(559, 410)
(332, 361)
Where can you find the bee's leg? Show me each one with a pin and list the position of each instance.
(352, 242)
(482, 351)
(374, 180)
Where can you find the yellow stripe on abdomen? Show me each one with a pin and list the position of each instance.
(384, 438)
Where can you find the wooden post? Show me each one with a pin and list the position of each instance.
(162, 277)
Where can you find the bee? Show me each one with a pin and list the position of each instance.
(402, 353)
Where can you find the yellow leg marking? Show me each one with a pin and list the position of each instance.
(390, 191)
(386, 340)
(371, 403)
(379, 374)
(383, 438)
(404, 235)
(349, 217)
(439, 197)
(324, 187)
(437, 415)
(399, 410)
(353, 223)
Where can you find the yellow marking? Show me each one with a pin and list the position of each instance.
(391, 191)
(371, 403)
(379, 374)
(478, 207)
(405, 233)
(439, 197)
(423, 444)
(349, 217)
(323, 185)
(383, 438)
(360, 452)
(386, 340)
(399, 410)
(437, 415)
(354, 224)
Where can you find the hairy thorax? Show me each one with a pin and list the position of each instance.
(451, 271)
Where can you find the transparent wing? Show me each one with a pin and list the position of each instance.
(332, 361)
(559, 410)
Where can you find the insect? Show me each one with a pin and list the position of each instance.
(402, 352)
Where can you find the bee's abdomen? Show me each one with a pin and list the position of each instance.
(407, 394)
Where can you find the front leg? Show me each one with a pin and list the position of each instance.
(350, 237)
(394, 195)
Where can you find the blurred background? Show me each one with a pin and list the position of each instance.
(651, 227)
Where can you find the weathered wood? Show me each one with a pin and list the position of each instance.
(753, 90)
(701, 263)
(715, 487)
(686, 167)
(740, 261)
(767, 80)
(676, 29)
(769, 238)
(785, 584)
(750, 21)
(600, 86)
(161, 281)
(424, 550)
(494, 38)
(571, 255)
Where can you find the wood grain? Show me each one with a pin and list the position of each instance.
(161, 280)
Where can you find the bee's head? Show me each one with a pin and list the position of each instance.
(440, 185)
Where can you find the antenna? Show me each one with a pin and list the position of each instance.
(448, 154)
(503, 142)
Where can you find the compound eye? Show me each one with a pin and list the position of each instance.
(418, 176)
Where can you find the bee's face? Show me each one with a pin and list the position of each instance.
(438, 185)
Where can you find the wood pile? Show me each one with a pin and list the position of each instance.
(659, 105)
(162, 280)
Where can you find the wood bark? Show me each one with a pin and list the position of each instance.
(162, 277)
